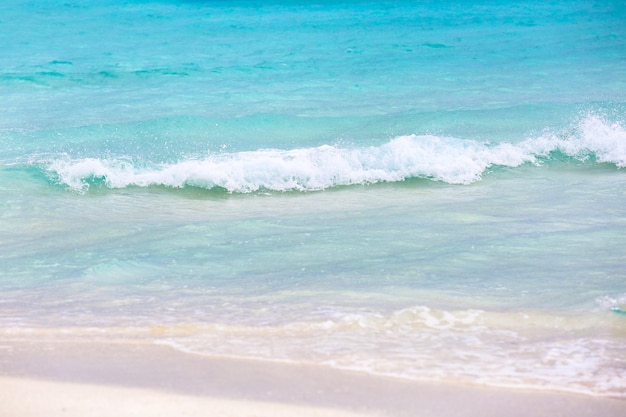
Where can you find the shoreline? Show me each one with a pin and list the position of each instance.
(92, 379)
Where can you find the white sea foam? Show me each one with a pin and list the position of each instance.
(446, 159)
(423, 343)
(593, 136)
(615, 303)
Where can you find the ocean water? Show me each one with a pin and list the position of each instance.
(429, 190)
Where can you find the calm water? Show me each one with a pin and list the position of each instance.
(427, 190)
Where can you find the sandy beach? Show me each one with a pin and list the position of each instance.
(334, 208)
(127, 379)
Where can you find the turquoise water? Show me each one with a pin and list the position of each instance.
(426, 190)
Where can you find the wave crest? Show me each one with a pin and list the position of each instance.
(446, 159)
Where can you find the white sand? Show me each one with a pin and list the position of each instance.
(20, 397)
(87, 379)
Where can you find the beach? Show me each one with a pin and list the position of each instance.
(246, 208)
(127, 379)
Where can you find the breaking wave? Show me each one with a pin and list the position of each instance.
(438, 158)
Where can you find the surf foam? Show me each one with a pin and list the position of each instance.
(446, 159)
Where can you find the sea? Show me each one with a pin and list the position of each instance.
(423, 190)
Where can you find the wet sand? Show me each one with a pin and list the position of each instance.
(88, 379)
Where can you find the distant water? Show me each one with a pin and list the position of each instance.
(430, 190)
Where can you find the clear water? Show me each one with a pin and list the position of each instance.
(427, 190)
